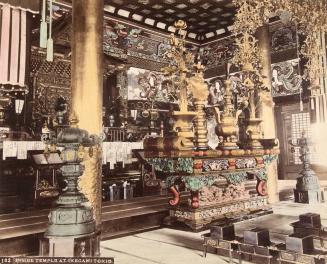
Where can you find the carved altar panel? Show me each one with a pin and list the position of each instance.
(149, 85)
(218, 52)
(46, 93)
(51, 80)
(283, 37)
(286, 78)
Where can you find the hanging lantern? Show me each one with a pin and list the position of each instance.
(50, 40)
(43, 27)
(19, 104)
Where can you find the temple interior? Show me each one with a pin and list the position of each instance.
(163, 131)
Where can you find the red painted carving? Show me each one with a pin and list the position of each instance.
(176, 198)
(262, 188)
(195, 200)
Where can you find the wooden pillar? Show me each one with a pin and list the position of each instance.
(87, 89)
(266, 112)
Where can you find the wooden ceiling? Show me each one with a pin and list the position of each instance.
(206, 19)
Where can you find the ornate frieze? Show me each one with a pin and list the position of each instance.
(196, 183)
(210, 170)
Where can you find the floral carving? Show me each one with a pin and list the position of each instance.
(214, 194)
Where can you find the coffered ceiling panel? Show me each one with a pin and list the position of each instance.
(205, 18)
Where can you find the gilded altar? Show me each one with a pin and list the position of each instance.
(221, 183)
(227, 181)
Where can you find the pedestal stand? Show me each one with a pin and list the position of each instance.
(307, 187)
(71, 229)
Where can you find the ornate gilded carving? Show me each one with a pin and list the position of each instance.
(309, 16)
(214, 194)
(181, 64)
(91, 179)
(200, 92)
(202, 216)
(227, 129)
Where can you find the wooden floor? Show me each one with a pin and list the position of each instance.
(20, 232)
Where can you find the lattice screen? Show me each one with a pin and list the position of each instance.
(300, 123)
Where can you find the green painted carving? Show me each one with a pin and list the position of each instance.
(170, 180)
(184, 165)
(170, 165)
(236, 177)
(162, 164)
(261, 174)
(198, 182)
(267, 159)
(193, 183)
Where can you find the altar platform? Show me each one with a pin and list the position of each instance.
(20, 232)
(168, 246)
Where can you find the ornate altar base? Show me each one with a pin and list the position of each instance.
(221, 183)
(198, 219)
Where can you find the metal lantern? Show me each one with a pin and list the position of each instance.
(71, 223)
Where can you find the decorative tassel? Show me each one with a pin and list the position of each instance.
(50, 40)
(43, 28)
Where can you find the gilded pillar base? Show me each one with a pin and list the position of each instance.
(91, 180)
